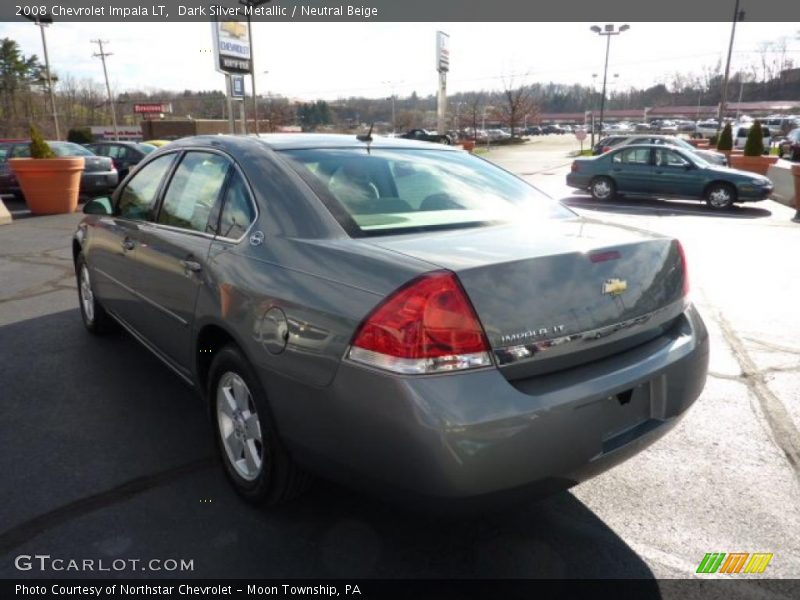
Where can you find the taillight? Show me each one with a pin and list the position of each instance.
(574, 166)
(426, 326)
(606, 149)
(685, 266)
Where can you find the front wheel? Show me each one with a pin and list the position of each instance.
(255, 461)
(95, 318)
(720, 196)
(602, 188)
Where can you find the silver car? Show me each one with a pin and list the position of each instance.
(393, 314)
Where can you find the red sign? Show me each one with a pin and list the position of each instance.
(152, 108)
(580, 134)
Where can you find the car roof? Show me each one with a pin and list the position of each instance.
(298, 141)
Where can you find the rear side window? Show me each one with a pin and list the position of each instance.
(634, 156)
(193, 190)
(139, 194)
(237, 210)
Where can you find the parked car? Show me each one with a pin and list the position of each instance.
(157, 143)
(665, 171)
(533, 130)
(124, 155)
(411, 318)
(643, 127)
(423, 135)
(708, 128)
(711, 156)
(552, 128)
(605, 144)
(790, 145)
(99, 175)
(741, 131)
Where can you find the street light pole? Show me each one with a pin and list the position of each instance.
(43, 21)
(249, 6)
(607, 31)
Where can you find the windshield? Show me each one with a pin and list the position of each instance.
(383, 191)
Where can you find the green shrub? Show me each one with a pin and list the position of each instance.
(80, 135)
(714, 140)
(40, 148)
(754, 146)
(726, 138)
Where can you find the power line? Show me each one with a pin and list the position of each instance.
(102, 55)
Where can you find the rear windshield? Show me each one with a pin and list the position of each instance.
(387, 191)
(145, 148)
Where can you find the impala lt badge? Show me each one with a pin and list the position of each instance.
(614, 287)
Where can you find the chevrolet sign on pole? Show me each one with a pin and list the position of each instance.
(232, 57)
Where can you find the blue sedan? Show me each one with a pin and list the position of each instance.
(662, 171)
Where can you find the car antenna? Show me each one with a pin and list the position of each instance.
(368, 137)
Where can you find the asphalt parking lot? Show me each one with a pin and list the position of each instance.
(105, 454)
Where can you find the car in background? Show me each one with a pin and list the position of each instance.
(532, 130)
(99, 176)
(124, 155)
(392, 314)
(712, 156)
(668, 127)
(157, 143)
(423, 135)
(707, 128)
(552, 128)
(781, 125)
(789, 146)
(643, 127)
(605, 144)
(665, 172)
(741, 131)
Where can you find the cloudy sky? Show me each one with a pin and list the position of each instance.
(330, 60)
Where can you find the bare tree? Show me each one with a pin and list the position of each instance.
(475, 102)
(518, 102)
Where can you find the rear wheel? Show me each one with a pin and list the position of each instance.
(602, 188)
(720, 196)
(95, 318)
(255, 461)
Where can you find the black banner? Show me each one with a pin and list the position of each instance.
(638, 589)
(399, 10)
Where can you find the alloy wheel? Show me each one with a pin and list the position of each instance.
(239, 426)
(87, 297)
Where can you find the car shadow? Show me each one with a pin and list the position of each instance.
(633, 205)
(123, 451)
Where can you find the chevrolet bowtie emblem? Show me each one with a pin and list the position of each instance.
(614, 286)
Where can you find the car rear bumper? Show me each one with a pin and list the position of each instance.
(578, 180)
(477, 435)
(98, 183)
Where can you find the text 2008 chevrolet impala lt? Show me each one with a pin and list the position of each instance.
(392, 314)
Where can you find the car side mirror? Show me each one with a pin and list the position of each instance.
(98, 206)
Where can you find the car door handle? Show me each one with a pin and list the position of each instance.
(191, 265)
(128, 244)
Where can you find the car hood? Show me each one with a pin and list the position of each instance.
(736, 174)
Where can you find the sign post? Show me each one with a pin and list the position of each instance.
(442, 66)
(580, 134)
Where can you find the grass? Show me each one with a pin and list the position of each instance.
(584, 152)
(773, 151)
(480, 150)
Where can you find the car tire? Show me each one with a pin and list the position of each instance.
(602, 188)
(96, 320)
(720, 196)
(255, 460)
(446, 141)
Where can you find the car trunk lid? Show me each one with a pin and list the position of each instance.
(560, 293)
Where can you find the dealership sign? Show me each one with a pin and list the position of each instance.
(231, 46)
(442, 51)
(152, 108)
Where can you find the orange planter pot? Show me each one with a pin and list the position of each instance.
(754, 164)
(50, 185)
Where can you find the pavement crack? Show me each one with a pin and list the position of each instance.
(25, 532)
(783, 428)
(772, 346)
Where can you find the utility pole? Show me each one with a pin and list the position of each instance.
(737, 16)
(102, 55)
(43, 21)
